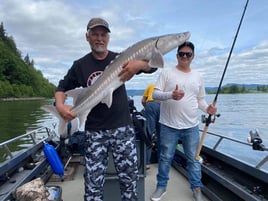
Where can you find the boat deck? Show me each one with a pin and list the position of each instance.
(178, 186)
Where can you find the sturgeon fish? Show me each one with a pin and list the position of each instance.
(85, 99)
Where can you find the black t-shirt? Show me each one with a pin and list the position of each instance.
(83, 73)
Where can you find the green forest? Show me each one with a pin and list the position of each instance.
(18, 76)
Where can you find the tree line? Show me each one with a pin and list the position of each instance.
(232, 89)
(18, 76)
(240, 88)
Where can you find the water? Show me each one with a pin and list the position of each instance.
(20, 117)
(17, 117)
(240, 113)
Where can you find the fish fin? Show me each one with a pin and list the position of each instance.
(82, 117)
(156, 60)
(62, 128)
(51, 109)
(109, 98)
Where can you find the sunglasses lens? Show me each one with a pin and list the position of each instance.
(181, 54)
(188, 54)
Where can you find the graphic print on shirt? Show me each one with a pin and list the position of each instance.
(93, 77)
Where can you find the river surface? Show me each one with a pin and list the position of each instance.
(239, 114)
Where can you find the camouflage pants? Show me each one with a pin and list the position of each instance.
(121, 142)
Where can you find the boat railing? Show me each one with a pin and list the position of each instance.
(256, 145)
(48, 134)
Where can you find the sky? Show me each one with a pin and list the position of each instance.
(52, 33)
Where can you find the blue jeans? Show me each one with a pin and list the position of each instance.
(168, 141)
(151, 113)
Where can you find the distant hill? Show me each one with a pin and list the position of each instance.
(18, 76)
(246, 87)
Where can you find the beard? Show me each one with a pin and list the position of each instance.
(99, 49)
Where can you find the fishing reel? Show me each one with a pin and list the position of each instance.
(209, 119)
(256, 140)
(131, 105)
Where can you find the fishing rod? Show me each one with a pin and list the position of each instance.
(208, 120)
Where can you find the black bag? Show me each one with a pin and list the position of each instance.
(76, 142)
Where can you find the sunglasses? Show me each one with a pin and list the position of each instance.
(188, 54)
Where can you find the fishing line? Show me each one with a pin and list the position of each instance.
(208, 119)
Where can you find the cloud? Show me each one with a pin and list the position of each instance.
(246, 67)
(52, 32)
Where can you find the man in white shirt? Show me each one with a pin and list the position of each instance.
(182, 92)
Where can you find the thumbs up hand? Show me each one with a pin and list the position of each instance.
(177, 94)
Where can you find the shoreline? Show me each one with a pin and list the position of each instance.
(25, 98)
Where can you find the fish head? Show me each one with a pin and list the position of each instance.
(169, 42)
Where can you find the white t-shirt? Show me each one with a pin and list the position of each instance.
(183, 113)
